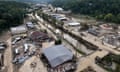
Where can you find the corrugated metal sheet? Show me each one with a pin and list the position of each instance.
(57, 55)
(18, 30)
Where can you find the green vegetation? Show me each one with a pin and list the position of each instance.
(58, 42)
(117, 68)
(11, 14)
(108, 60)
(107, 10)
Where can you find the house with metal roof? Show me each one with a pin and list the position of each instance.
(59, 17)
(71, 23)
(59, 9)
(57, 55)
(18, 30)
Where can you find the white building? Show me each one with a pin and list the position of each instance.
(59, 9)
(30, 25)
(18, 30)
(71, 23)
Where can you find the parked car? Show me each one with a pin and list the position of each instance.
(15, 61)
(22, 59)
(3, 45)
(16, 40)
(30, 25)
(17, 51)
(2, 48)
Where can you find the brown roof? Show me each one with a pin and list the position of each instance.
(38, 35)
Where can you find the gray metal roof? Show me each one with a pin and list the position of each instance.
(18, 29)
(57, 55)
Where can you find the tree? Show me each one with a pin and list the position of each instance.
(11, 14)
(95, 8)
(57, 42)
(118, 17)
(2, 24)
(100, 16)
(109, 17)
(117, 68)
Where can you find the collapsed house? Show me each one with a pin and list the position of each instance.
(38, 36)
(113, 40)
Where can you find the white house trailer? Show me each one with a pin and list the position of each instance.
(17, 51)
(30, 25)
(71, 23)
(59, 9)
(18, 30)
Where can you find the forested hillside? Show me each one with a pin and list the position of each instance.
(108, 10)
(11, 14)
(30, 1)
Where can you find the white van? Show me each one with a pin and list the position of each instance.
(16, 51)
(26, 48)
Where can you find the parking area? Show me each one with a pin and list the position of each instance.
(26, 45)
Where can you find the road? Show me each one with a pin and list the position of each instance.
(53, 35)
(89, 60)
(8, 57)
(26, 67)
(91, 39)
(95, 41)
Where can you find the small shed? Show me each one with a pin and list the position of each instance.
(18, 30)
(57, 55)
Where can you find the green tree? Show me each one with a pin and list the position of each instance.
(11, 14)
(95, 8)
(118, 17)
(109, 17)
(2, 24)
(58, 42)
(117, 68)
(100, 16)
